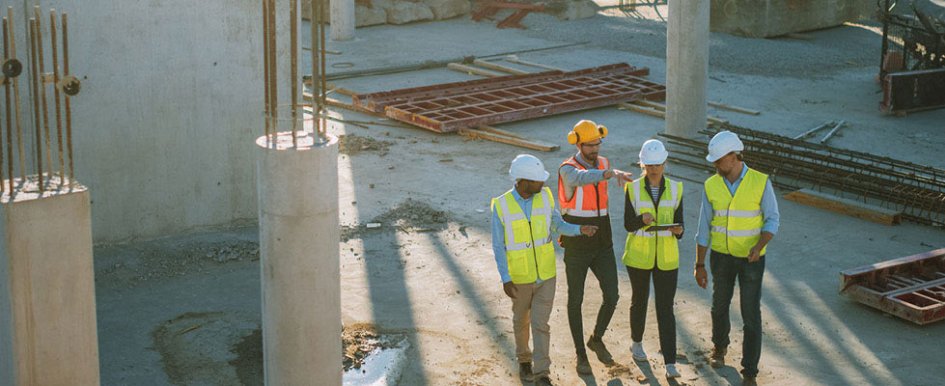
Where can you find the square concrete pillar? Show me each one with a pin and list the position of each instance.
(47, 289)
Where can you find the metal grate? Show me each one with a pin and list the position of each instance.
(453, 106)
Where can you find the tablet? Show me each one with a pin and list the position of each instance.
(663, 227)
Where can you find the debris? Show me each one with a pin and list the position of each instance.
(489, 9)
(473, 70)
(516, 60)
(372, 225)
(352, 144)
(499, 67)
(911, 287)
(734, 108)
(808, 133)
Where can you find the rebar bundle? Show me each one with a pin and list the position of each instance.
(918, 191)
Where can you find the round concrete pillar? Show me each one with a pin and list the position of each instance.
(687, 66)
(298, 244)
(342, 19)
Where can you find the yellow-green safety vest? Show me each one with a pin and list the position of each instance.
(528, 247)
(645, 249)
(736, 221)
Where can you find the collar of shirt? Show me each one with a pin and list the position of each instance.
(525, 204)
(587, 165)
(733, 186)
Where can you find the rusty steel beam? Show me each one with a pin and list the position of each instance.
(454, 106)
(911, 287)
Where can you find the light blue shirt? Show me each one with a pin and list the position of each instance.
(769, 210)
(558, 225)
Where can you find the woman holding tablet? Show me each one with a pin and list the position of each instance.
(653, 217)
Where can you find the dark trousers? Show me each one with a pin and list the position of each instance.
(664, 288)
(604, 266)
(725, 270)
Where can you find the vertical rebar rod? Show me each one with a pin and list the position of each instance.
(273, 69)
(40, 67)
(266, 109)
(16, 101)
(36, 123)
(68, 99)
(294, 78)
(323, 4)
(55, 68)
(6, 111)
(316, 83)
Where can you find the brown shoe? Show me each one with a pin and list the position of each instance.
(543, 381)
(749, 381)
(717, 358)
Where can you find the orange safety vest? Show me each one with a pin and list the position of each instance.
(586, 201)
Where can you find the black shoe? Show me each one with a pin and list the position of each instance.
(749, 381)
(597, 346)
(543, 381)
(583, 366)
(525, 371)
(717, 358)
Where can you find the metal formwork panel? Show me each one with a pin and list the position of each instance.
(453, 106)
(912, 287)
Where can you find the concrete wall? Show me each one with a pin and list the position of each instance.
(170, 106)
(766, 18)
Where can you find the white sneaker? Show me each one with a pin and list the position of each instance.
(671, 371)
(638, 353)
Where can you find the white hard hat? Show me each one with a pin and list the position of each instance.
(528, 167)
(653, 153)
(723, 143)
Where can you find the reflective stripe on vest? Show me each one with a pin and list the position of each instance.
(584, 200)
(737, 221)
(644, 249)
(529, 251)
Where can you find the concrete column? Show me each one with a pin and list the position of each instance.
(687, 66)
(342, 19)
(299, 259)
(48, 331)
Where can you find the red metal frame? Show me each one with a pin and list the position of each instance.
(453, 106)
(912, 287)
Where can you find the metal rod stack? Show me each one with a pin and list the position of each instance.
(271, 65)
(64, 86)
(916, 190)
(319, 79)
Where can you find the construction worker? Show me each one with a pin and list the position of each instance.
(523, 220)
(582, 192)
(653, 200)
(739, 217)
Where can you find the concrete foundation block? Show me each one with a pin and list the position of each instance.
(366, 16)
(48, 330)
(403, 12)
(767, 18)
(446, 9)
(574, 9)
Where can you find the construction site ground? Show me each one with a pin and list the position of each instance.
(185, 309)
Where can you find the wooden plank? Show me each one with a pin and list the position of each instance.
(734, 108)
(516, 60)
(337, 103)
(533, 145)
(473, 70)
(845, 206)
(643, 110)
(499, 67)
(494, 130)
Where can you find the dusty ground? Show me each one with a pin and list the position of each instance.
(428, 270)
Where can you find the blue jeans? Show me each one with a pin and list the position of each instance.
(725, 270)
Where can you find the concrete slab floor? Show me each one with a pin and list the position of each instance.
(433, 276)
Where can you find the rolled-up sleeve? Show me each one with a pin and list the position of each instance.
(769, 210)
(703, 237)
(498, 247)
(558, 225)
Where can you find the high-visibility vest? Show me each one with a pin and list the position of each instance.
(528, 247)
(736, 221)
(586, 201)
(645, 249)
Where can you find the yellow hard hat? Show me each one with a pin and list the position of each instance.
(586, 131)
